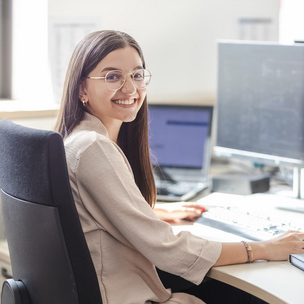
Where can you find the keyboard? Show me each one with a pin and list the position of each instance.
(176, 191)
(179, 188)
(252, 225)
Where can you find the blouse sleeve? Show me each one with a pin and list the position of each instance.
(108, 192)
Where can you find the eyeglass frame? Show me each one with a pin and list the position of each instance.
(124, 81)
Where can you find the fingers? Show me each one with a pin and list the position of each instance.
(189, 213)
(195, 206)
(299, 238)
(297, 235)
(182, 211)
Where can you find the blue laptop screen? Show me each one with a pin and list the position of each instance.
(178, 135)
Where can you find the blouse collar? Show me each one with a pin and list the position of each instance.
(92, 123)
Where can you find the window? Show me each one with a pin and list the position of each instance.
(30, 70)
(291, 21)
(24, 72)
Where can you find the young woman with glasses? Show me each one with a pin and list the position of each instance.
(103, 119)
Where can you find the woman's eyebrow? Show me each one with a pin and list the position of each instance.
(106, 69)
(138, 68)
(110, 69)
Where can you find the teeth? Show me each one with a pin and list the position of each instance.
(124, 102)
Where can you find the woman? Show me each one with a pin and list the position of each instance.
(103, 120)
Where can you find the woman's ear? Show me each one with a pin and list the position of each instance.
(81, 91)
(82, 94)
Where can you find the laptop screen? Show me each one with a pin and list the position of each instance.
(179, 135)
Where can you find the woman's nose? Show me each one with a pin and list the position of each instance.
(129, 86)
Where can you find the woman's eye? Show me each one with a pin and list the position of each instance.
(113, 76)
(138, 76)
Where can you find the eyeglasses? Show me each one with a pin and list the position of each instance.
(116, 79)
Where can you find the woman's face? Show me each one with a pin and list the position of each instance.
(113, 107)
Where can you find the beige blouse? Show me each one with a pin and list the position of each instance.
(125, 237)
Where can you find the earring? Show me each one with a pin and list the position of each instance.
(83, 102)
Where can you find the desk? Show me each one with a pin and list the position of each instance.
(274, 282)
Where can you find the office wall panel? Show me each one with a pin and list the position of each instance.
(178, 36)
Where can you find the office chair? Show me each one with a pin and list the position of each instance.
(50, 259)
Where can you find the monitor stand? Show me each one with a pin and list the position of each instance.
(298, 182)
(298, 192)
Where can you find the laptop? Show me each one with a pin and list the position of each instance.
(179, 137)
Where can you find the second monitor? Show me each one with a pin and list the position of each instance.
(260, 102)
(179, 137)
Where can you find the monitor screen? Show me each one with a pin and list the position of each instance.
(179, 135)
(260, 105)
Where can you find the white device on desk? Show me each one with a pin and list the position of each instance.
(254, 217)
(179, 138)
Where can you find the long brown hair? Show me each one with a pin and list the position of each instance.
(133, 136)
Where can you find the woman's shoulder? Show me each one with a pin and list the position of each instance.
(87, 131)
(89, 148)
(80, 140)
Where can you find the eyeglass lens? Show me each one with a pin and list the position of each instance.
(116, 79)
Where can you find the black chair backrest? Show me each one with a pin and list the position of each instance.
(47, 247)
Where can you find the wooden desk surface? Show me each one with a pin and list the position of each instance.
(274, 282)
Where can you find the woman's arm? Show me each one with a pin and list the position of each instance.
(275, 249)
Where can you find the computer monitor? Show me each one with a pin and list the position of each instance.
(179, 135)
(260, 102)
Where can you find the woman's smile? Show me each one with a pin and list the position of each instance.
(128, 101)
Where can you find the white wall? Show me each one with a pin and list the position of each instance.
(31, 79)
(178, 37)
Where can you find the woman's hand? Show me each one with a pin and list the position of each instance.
(280, 247)
(179, 212)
